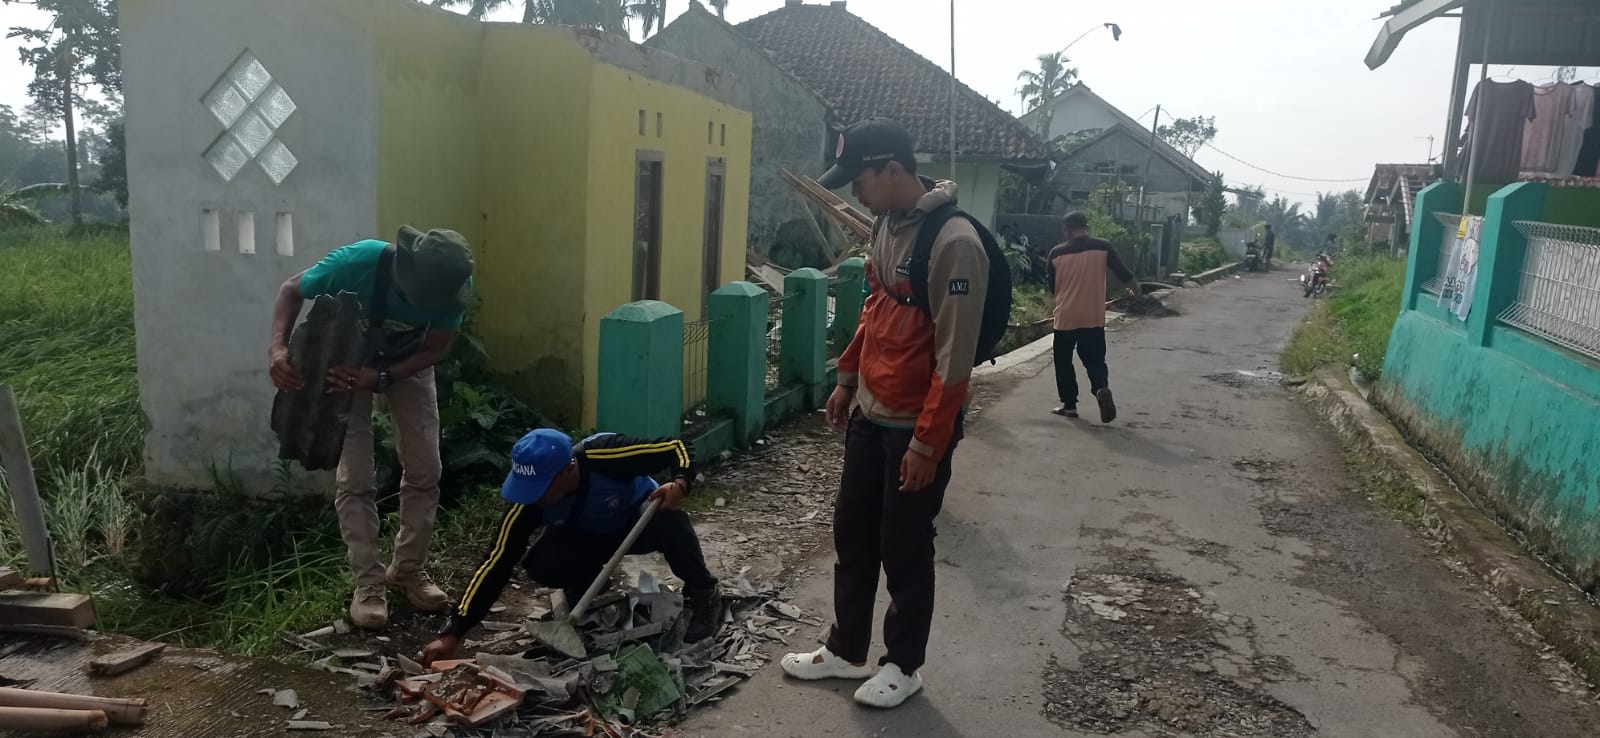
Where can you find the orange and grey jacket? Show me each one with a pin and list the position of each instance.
(911, 370)
(1078, 279)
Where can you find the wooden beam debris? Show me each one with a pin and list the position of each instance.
(30, 608)
(126, 660)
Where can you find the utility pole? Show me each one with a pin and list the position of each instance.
(952, 90)
(1144, 183)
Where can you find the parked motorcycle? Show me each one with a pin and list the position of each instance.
(1252, 256)
(1315, 280)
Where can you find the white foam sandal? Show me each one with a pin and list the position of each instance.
(889, 688)
(823, 664)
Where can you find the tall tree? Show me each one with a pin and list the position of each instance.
(80, 47)
(1213, 205)
(1189, 134)
(1039, 86)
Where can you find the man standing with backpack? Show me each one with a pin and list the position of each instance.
(413, 295)
(940, 297)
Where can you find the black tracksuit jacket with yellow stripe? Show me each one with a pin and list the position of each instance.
(612, 464)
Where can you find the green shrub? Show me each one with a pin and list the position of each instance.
(1353, 325)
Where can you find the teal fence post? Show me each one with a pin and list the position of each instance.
(736, 376)
(803, 350)
(1427, 236)
(1501, 249)
(641, 370)
(848, 296)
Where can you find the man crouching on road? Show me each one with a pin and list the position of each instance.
(587, 499)
(905, 374)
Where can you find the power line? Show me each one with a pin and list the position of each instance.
(1285, 176)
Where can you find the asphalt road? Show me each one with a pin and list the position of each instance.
(1203, 566)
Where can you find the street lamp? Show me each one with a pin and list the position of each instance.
(1116, 34)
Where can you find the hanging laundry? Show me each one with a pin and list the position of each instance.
(1575, 128)
(1499, 113)
(1541, 135)
(1550, 141)
(1588, 163)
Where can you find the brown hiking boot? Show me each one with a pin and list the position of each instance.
(419, 590)
(369, 608)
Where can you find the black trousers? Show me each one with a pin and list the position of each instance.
(571, 559)
(1091, 346)
(875, 525)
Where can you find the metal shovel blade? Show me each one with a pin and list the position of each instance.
(560, 636)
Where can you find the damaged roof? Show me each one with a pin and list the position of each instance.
(860, 72)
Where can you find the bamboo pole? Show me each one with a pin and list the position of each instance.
(119, 711)
(38, 718)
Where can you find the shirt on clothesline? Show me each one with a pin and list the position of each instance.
(1552, 140)
(1499, 112)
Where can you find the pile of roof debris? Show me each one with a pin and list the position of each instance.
(631, 674)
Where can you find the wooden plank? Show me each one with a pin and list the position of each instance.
(39, 608)
(126, 660)
(9, 578)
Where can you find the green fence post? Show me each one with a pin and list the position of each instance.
(1501, 249)
(848, 295)
(641, 370)
(1427, 236)
(736, 376)
(803, 350)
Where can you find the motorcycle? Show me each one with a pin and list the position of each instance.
(1252, 256)
(1315, 280)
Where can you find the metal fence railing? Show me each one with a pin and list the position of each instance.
(1452, 223)
(1559, 297)
(696, 362)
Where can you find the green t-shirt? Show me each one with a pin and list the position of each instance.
(354, 268)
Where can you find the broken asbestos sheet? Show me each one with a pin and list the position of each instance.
(310, 422)
(638, 676)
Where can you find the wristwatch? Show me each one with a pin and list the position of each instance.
(384, 381)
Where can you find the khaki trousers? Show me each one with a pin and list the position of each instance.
(414, 407)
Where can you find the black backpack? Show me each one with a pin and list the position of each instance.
(996, 303)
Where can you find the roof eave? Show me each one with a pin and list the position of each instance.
(1403, 21)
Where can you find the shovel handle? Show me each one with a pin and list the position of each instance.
(648, 512)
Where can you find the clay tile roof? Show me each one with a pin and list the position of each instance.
(860, 72)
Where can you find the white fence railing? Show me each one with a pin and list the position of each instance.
(1559, 297)
(1452, 222)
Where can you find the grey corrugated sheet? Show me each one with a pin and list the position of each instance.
(310, 422)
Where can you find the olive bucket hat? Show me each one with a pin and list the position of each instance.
(431, 269)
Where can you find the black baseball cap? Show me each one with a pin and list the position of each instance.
(869, 143)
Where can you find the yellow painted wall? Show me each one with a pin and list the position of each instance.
(533, 134)
(428, 173)
(517, 137)
(619, 95)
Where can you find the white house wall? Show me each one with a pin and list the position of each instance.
(203, 294)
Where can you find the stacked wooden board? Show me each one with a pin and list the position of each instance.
(23, 608)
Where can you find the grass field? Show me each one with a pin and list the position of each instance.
(1354, 320)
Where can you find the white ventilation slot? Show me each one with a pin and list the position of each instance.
(211, 229)
(247, 232)
(286, 234)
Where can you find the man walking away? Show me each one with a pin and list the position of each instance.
(1078, 278)
(413, 296)
(902, 392)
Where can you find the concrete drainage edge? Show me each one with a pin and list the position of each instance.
(1566, 620)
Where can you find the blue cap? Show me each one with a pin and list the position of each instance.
(535, 461)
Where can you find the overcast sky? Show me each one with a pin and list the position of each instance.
(1284, 79)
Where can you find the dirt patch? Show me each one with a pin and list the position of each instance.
(1154, 659)
(1249, 379)
(1143, 306)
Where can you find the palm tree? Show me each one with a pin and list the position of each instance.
(721, 6)
(480, 8)
(1052, 78)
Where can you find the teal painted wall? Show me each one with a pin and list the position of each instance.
(1516, 418)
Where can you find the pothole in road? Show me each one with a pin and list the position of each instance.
(1249, 379)
(1153, 658)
